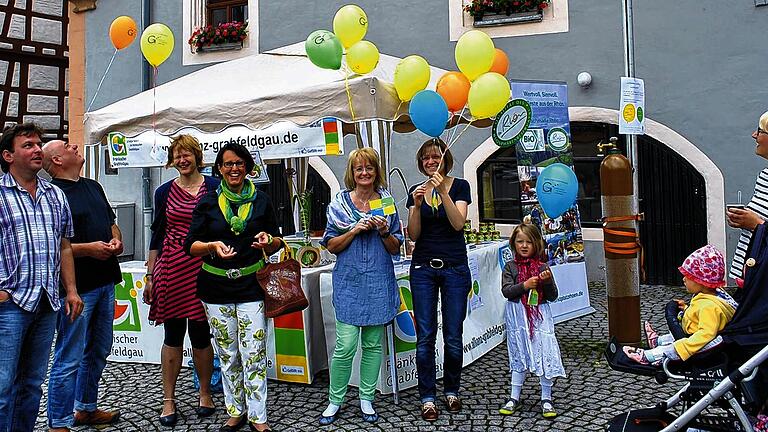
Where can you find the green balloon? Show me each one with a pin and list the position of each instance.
(324, 49)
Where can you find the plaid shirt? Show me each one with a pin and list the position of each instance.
(30, 241)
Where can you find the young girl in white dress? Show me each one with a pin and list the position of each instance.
(529, 286)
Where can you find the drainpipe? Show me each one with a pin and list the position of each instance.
(146, 173)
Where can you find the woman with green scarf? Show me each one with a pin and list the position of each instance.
(230, 227)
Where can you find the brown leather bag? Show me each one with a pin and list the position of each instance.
(281, 283)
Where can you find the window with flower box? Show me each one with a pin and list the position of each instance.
(224, 11)
(507, 18)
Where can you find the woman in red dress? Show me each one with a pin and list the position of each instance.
(171, 276)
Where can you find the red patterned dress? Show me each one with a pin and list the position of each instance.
(174, 293)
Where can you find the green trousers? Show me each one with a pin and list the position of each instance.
(370, 362)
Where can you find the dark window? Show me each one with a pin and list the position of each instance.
(278, 190)
(499, 198)
(499, 186)
(222, 11)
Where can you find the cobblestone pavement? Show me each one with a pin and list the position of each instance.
(591, 394)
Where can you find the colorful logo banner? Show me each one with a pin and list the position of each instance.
(281, 140)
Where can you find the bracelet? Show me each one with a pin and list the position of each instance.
(148, 275)
(208, 248)
(270, 239)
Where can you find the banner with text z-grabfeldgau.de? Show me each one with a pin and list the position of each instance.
(281, 140)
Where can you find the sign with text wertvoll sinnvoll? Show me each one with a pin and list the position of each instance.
(281, 140)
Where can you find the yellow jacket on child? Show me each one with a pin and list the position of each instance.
(702, 320)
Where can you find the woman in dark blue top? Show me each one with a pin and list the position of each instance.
(437, 210)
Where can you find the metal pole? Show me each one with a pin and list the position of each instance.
(146, 173)
(629, 71)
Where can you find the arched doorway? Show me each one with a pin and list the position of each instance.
(681, 190)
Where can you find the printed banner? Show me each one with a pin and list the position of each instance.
(547, 140)
(281, 140)
(136, 340)
(483, 326)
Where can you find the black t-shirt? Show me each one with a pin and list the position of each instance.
(208, 225)
(92, 218)
(438, 239)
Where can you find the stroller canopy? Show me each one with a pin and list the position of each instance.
(749, 325)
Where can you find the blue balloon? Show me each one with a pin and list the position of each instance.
(429, 112)
(557, 188)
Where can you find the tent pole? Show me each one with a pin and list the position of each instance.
(146, 173)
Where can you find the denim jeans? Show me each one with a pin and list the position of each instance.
(452, 284)
(80, 355)
(25, 346)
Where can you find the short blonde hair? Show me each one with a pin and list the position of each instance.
(189, 143)
(763, 122)
(533, 233)
(369, 155)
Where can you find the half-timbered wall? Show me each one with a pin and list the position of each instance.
(33, 64)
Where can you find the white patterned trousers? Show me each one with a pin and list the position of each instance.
(239, 331)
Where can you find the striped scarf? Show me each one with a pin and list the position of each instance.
(526, 269)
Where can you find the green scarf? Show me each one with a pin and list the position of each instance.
(244, 201)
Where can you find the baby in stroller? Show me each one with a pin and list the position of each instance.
(694, 327)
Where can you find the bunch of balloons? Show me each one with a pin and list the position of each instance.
(479, 83)
(326, 49)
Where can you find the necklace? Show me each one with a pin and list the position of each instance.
(360, 202)
(196, 183)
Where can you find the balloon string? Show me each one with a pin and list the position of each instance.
(349, 93)
(397, 110)
(451, 143)
(154, 106)
(100, 83)
(453, 132)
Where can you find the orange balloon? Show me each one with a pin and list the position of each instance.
(454, 88)
(122, 32)
(500, 63)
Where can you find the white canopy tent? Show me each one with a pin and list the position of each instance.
(256, 91)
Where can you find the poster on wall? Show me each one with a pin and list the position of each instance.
(281, 140)
(545, 140)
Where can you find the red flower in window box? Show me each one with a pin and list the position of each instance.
(231, 32)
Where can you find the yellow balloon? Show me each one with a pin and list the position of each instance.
(411, 76)
(488, 95)
(474, 53)
(350, 25)
(362, 57)
(157, 43)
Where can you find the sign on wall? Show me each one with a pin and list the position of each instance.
(632, 106)
(281, 140)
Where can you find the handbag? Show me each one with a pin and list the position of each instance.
(281, 283)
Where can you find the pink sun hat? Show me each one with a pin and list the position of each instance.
(705, 266)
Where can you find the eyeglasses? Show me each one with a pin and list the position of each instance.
(760, 131)
(230, 164)
(368, 169)
(429, 157)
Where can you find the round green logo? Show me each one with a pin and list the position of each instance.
(557, 139)
(511, 123)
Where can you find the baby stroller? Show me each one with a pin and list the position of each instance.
(721, 386)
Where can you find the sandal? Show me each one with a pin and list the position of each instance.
(510, 407)
(548, 409)
(651, 335)
(636, 354)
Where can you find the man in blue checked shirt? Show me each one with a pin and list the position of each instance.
(36, 257)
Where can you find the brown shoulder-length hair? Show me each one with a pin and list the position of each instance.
(369, 155)
(533, 233)
(188, 143)
(442, 148)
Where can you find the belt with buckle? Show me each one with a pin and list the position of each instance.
(236, 272)
(436, 263)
